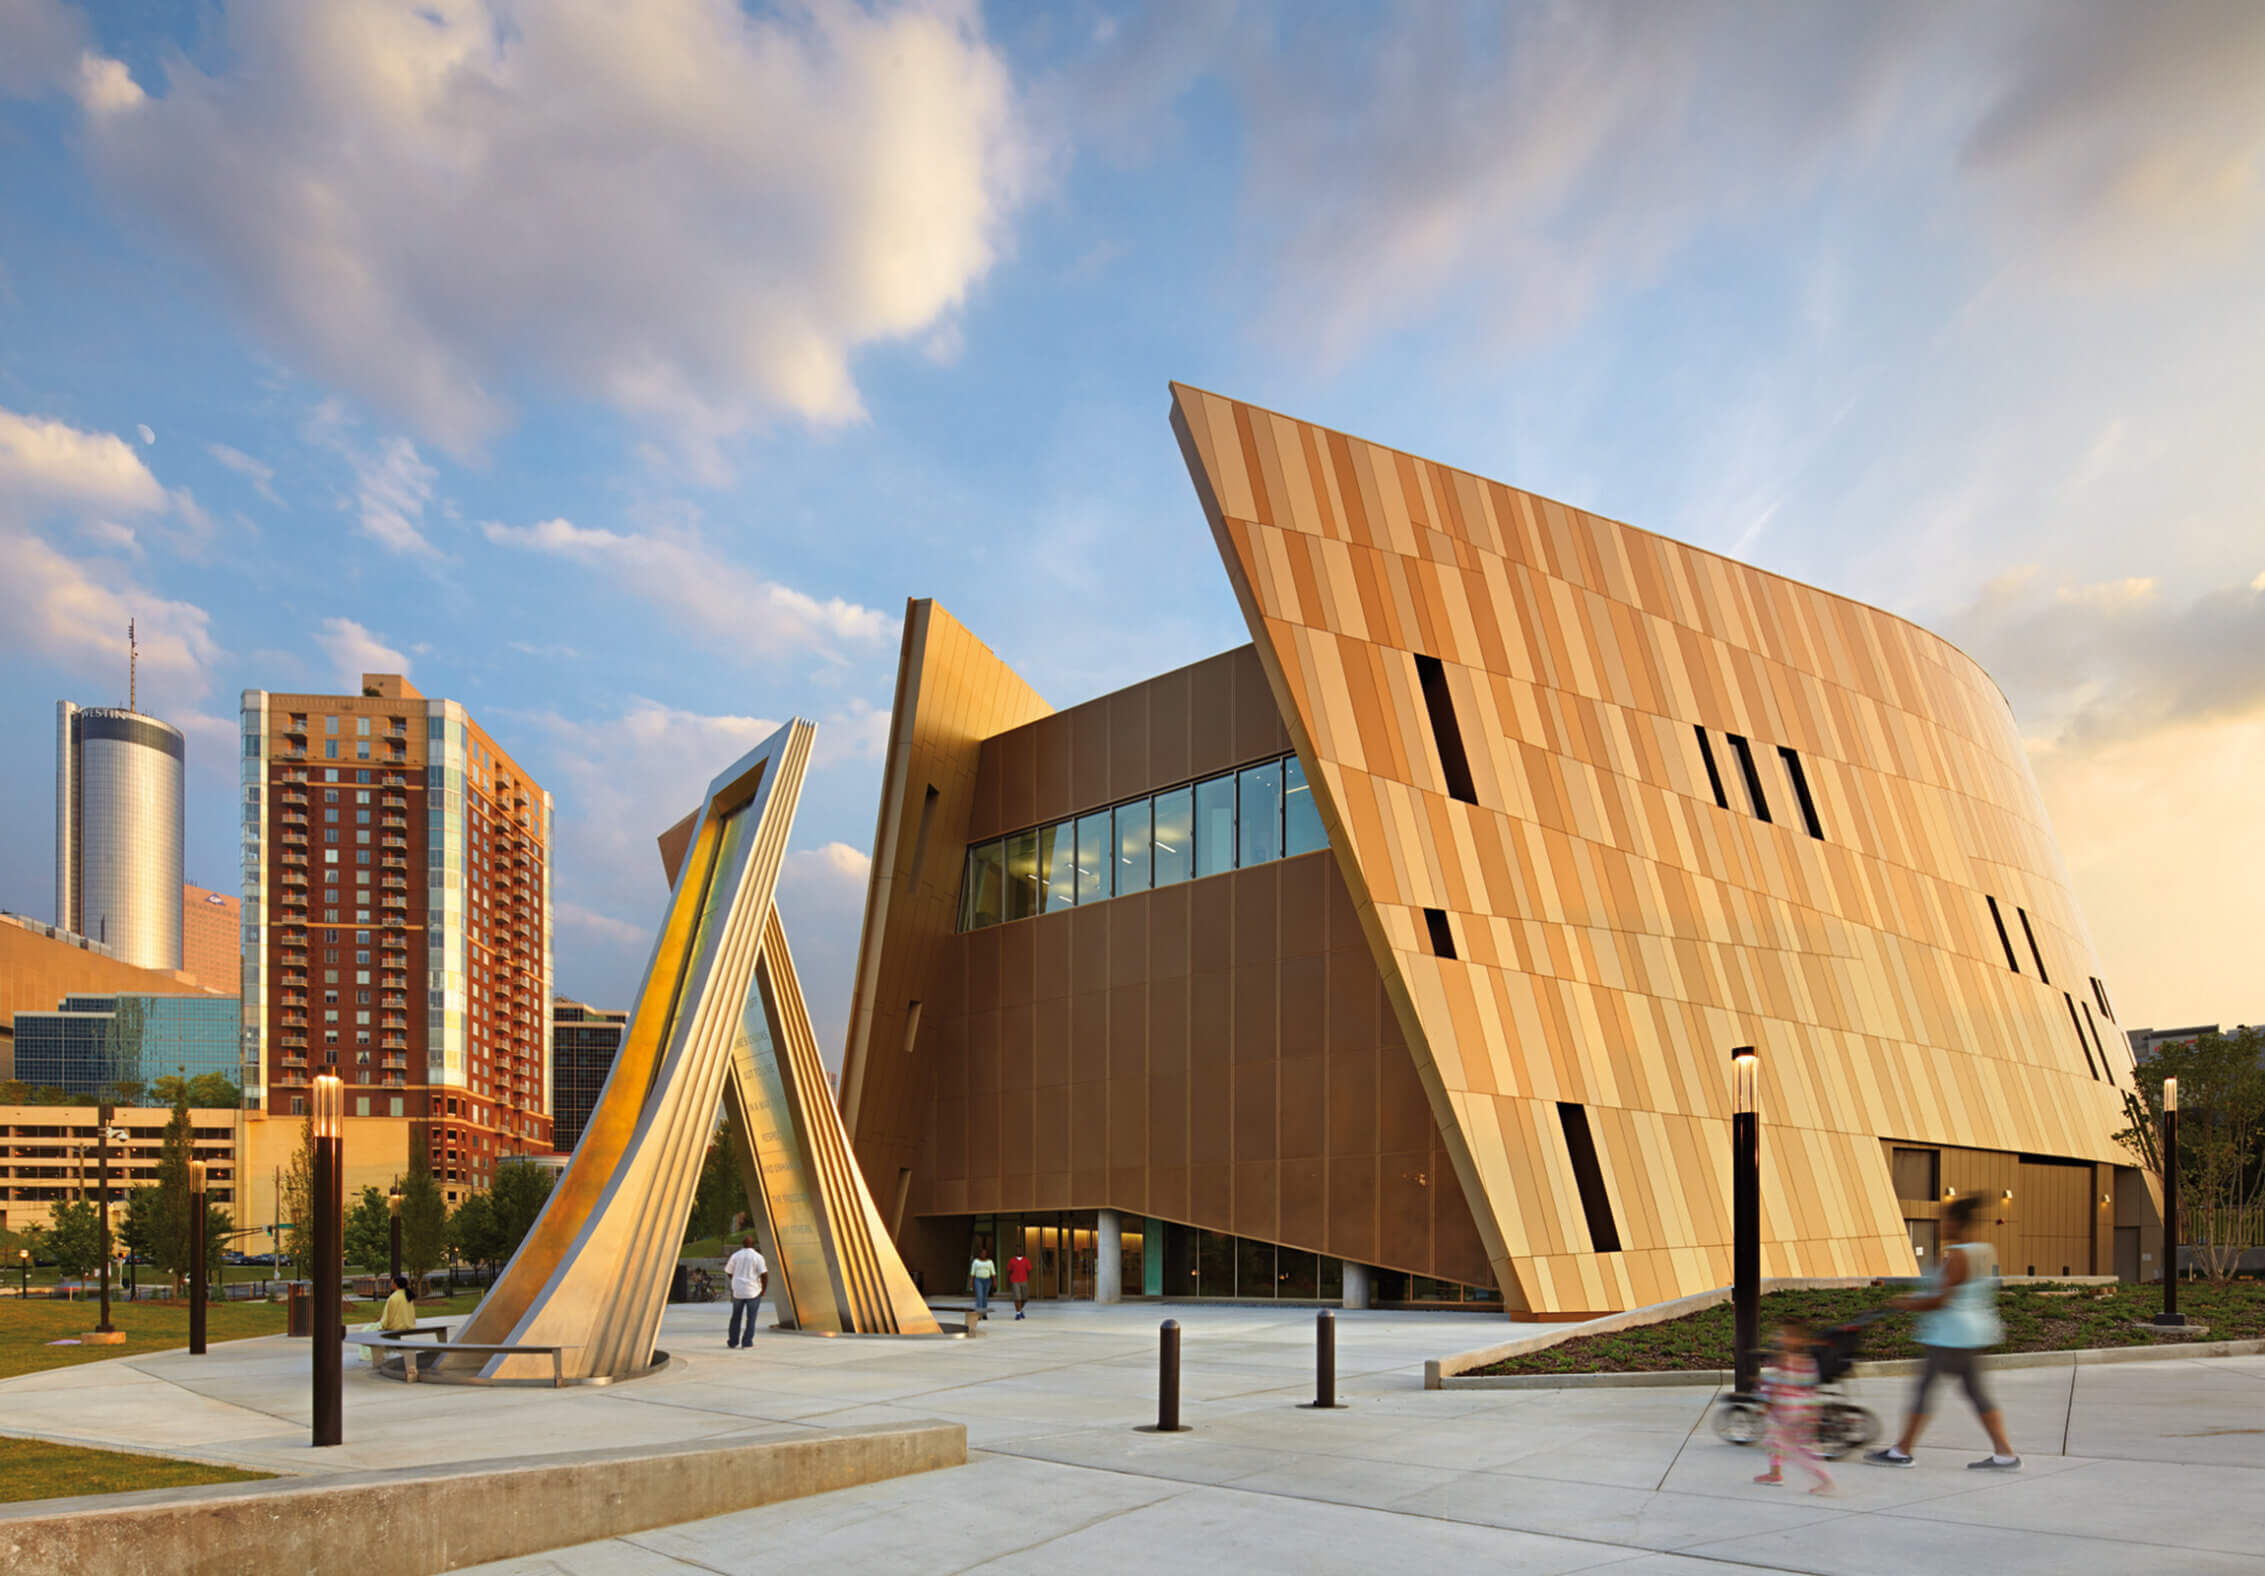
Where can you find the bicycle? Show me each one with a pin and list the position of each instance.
(1843, 1427)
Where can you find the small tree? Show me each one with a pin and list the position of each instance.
(369, 1231)
(169, 1225)
(517, 1196)
(472, 1234)
(2221, 1141)
(297, 1197)
(424, 1222)
(74, 1238)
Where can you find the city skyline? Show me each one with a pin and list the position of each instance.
(1948, 314)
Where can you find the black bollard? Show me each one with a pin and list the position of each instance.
(1168, 1381)
(1324, 1364)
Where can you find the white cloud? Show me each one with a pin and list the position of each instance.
(354, 651)
(770, 193)
(603, 928)
(674, 569)
(50, 462)
(261, 476)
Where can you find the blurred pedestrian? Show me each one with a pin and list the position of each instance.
(1018, 1281)
(1958, 1322)
(980, 1276)
(1789, 1390)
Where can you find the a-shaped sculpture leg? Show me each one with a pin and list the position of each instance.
(833, 1266)
(593, 1275)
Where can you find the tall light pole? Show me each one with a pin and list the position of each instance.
(2170, 1313)
(196, 1258)
(23, 1262)
(393, 1209)
(1745, 1219)
(102, 1114)
(329, 1267)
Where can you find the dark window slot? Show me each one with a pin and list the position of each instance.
(2031, 937)
(1753, 778)
(1918, 1174)
(1588, 1176)
(920, 838)
(1454, 765)
(2082, 1044)
(1442, 937)
(2093, 1024)
(2004, 940)
(2101, 991)
(1801, 791)
(1714, 777)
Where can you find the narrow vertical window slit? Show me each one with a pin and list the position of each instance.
(1442, 935)
(1439, 700)
(1800, 778)
(1739, 748)
(1714, 774)
(2031, 936)
(1588, 1176)
(2082, 1044)
(2004, 940)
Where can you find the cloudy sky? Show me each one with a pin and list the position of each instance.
(619, 370)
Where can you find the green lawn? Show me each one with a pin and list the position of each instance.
(2037, 1319)
(35, 1469)
(26, 1328)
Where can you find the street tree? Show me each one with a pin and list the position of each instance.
(74, 1238)
(517, 1196)
(369, 1231)
(472, 1234)
(2221, 1140)
(424, 1221)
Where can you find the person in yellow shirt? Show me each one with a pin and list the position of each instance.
(400, 1313)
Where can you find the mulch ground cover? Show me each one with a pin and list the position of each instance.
(2038, 1318)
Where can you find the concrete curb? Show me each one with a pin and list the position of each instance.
(1886, 1368)
(413, 1522)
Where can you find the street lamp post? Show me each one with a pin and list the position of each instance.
(196, 1258)
(23, 1263)
(2170, 1314)
(393, 1209)
(1745, 1219)
(329, 1267)
(102, 1115)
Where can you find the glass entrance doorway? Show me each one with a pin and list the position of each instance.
(1061, 1248)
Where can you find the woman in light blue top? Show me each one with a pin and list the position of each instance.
(1957, 1323)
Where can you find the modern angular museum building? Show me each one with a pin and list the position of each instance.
(1399, 955)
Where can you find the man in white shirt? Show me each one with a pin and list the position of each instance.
(749, 1275)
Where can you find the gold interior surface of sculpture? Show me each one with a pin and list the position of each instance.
(718, 1002)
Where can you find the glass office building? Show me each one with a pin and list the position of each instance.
(118, 832)
(584, 1043)
(92, 1043)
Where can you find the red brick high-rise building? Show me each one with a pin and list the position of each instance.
(397, 921)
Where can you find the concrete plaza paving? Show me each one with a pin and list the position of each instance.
(2157, 1466)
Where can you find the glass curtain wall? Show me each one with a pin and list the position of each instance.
(1252, 816)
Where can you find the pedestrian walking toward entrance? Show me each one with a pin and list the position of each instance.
(1789, 1389)
(980, 1275)
(749, 1275)
(1958, 1322)
(1018, 1281)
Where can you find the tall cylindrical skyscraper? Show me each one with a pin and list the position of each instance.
(118, 831)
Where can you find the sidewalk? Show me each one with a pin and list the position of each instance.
(2158, 1466)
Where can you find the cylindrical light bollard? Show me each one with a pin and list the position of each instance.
(196, 1258)
(2170, 1314)
(393, 1208)
(1745, 1219)
(1325, 1363)
(329, 1268)
(1168, 1379)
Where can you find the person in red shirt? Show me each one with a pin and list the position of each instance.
(1018, 1281)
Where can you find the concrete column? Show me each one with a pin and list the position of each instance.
(1109, 1259)
(1356, 1285)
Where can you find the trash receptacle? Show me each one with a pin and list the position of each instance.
(302, 1310)
(680, 1285)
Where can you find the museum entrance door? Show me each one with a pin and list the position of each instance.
(1061, 1248)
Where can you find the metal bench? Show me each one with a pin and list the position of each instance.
(409, 1355)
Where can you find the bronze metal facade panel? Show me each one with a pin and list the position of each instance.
(1615, 931)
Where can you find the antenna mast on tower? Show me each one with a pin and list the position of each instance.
(133, 666)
